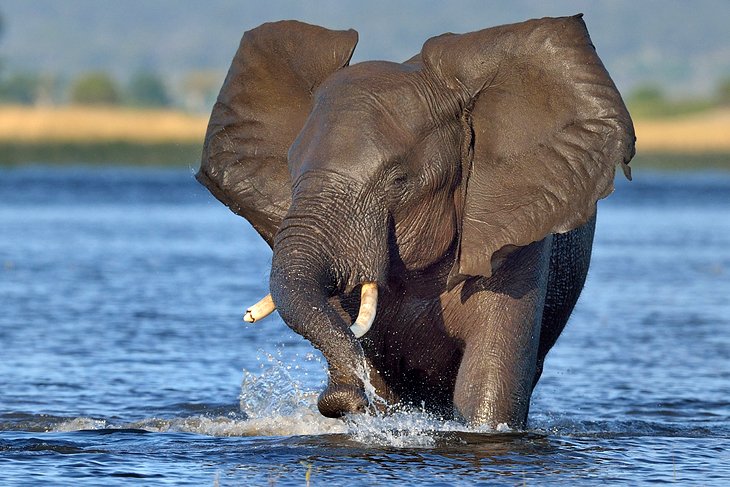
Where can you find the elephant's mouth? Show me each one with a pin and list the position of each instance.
(361, 325)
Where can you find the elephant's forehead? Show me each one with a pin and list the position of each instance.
(375, 91)
(363, 115)
(330, 142)
(373, 77)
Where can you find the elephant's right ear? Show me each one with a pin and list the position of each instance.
(262, 106)
(548, 129)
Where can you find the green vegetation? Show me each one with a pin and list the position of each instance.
(20, 88)
(677, 161)
(196, 92)
(147, 90)
(723, 92)
(650, 101)
(124, 153)
(188, 154)
(95, 88)
(26, 88)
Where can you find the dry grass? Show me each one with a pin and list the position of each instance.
(94, 125)
(702, 133)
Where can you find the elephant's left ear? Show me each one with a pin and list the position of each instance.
(263, 104)
(549, 129)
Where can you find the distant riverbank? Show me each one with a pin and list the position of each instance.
(44, 125)
(83, 135)
(99, 135)
(106, 152)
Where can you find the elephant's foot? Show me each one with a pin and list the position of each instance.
(338, 400)
(493, 412)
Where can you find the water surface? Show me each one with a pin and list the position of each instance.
(124, 354)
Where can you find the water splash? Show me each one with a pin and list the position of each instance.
(277, 404)
(272, 392)
(398, 429)
(280, 400)
(77, 424)
(402, 427)
(303, 422)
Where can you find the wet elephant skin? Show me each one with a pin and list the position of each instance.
(463, 182)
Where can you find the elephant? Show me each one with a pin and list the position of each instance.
(445, 205)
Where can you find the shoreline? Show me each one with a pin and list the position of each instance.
(113, 153)
(187, 154)
(130, 136)
(69, 124)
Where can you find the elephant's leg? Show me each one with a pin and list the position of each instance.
(569, 261)
(494, 382)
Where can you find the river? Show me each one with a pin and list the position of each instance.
(124, 355)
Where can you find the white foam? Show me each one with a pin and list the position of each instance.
(77, 424)
(402, 427)
(303, 422)
(276, 403)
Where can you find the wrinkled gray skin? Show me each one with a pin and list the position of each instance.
(463, 182)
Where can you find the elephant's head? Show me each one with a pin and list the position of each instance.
(380, 172)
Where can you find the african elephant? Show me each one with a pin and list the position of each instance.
(456, 192)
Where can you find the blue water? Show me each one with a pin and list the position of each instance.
(124, 355)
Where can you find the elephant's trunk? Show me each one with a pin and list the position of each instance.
(302, 302)
(308, 267)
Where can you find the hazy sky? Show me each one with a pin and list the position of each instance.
(684, 44)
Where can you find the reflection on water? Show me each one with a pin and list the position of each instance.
(124, 353)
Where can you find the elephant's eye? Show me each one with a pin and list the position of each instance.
(400, 180)
(397, 186)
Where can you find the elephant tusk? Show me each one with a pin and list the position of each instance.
(368, 307)
(260, 310)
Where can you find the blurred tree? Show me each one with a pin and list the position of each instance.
(200, 89)
(95, 88)
(147, 89)
(723, 92)
(20, 88)
(649, 100)
(646, 94)
(50, 89)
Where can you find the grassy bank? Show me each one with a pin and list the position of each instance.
(188, 154)
(107, 152)
(699, 133)
(33, 125)
(99, 135)
(80, 135)
(681, 161)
